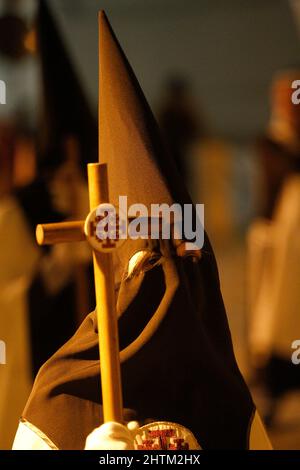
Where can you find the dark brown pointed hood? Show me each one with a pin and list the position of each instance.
(129, 138)
(185, 371)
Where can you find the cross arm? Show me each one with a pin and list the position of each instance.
(64, 232)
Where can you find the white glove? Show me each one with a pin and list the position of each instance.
(111, 436)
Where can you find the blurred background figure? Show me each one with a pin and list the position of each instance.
(274, 249)
(179, 121)
(66, 141)
(18, 71)
(279, 148)
(18, 253)
(203, 158)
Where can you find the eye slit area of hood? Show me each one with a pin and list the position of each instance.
(189, 251)
(141, 262)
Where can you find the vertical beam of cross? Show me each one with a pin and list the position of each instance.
(106, 307)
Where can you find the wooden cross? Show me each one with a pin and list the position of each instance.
(49, 234)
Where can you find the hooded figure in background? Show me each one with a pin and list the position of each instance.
(184, 371)
(274, 253)
(66, 139)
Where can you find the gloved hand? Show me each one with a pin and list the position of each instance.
(112, 436)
